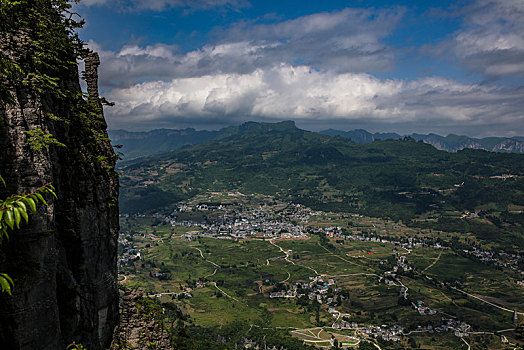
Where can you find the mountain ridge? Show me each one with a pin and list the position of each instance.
(147, 143)
(449, 143)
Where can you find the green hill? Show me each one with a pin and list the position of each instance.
(399, 179)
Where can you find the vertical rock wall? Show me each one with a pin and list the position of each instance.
(64, 262)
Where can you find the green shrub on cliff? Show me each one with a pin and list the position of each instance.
(14, 210)
(38, 46)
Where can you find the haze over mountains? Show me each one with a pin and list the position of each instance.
(141, 144)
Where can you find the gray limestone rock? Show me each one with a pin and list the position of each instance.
(138, 329)
(64, 261)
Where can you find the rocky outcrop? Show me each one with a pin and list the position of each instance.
(64, 261)
(140, 324)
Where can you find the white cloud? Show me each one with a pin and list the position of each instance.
(307, 95)
(492, 39)
(343, 41)
(318, 69)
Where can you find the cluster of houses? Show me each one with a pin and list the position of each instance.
(392, 333)
(422, 309)
(241, 221)
(407, 243)
(130, 252)
(501, 258)
(316, 289)
(183, 294)
(357, 235)
(395, 332)
(290, 293)
(402, 264)
(245, 228)
(290, 221)
(459, 328)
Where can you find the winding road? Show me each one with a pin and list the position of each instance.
(287, 258)
(214, 272)
(209, 261)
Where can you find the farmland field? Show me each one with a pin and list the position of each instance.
(341, 285)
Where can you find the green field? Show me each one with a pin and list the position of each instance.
(239, 276)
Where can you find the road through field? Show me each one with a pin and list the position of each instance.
(214, 283)
(287, 257)
(487, 302)
(434, 262)
(346, 260)
(209, 261)
(223, 292)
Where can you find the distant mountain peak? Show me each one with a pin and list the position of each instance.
(449, 143)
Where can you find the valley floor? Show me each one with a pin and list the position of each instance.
(327, 279)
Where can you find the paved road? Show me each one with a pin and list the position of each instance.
(465, 342)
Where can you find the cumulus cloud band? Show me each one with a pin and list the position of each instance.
(301, 93)
(322, 69)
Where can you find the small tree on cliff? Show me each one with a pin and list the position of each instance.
(14, 210)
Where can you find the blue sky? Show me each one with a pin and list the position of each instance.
(404, 66)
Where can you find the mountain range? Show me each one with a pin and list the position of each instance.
(450, 143)
(140, 144)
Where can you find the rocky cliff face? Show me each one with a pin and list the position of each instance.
(64, 262)
(139, 326)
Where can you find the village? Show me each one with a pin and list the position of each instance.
(288, 221)
(292, 221)
(242, 222)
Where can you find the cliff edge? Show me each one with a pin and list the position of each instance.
(63, 262)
